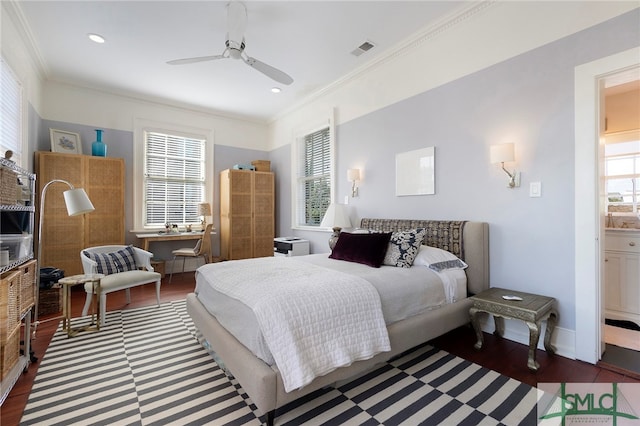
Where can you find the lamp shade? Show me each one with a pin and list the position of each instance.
(353, 174)
(503, 153)
(204, 209)
(77, 202)
(336, 217)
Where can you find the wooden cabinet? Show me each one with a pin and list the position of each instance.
(247, 214)
(622, 275)
(63, 236)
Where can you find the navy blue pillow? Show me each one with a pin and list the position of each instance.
(368, 249)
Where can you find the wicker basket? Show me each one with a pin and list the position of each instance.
(10, 352)
(8, 186)
(50, 300)
(9, 303)
(262, 165)
(27, 285)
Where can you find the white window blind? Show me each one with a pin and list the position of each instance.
(10, 113)
(174, 180)
(314, 177)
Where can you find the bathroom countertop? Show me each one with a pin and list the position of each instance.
(622, 229)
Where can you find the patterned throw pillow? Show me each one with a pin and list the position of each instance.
(105, 264)
(124, 259)
(403, 247)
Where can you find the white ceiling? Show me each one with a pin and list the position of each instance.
(312, 41)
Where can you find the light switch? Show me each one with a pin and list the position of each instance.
(346, 199)
(535, 189)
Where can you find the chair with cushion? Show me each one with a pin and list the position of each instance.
(124, 267)
(202, 249)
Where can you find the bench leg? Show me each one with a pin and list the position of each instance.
(128, 295)
(534, 336)
(103, 308)
(475, 321)
(158, 292)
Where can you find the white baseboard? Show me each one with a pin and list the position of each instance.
(563, 340)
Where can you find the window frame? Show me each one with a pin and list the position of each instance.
(142, 126)
(19, 156)
(612, 139)
(296, 182)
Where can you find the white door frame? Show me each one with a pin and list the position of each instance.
(588, 220)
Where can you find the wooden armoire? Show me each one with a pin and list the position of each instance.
(63, 236)
(247, 214)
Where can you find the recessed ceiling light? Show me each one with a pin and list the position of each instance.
(96, 38)
(276, 89)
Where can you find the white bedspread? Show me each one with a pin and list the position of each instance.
(314, 319)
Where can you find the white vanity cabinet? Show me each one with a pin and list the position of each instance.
(622, 274)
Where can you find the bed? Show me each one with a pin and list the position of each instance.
(258, 373)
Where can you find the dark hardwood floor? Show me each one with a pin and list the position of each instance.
(504, 356)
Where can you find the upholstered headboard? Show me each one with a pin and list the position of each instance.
(466, 239)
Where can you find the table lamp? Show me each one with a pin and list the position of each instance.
(336, 218)
(204, 210)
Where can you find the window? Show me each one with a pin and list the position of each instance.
(622, 170)
(174, 179)
(10, 113)
(314, 170)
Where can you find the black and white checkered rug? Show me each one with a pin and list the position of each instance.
(145, 367)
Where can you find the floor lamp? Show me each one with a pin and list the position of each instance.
(77, 203)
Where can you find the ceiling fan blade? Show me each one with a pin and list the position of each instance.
(236, 23)
(268, 70)
(197, 59)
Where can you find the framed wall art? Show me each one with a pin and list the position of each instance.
(415, 172)
(65, 142)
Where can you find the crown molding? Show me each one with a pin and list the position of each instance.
(13, 9)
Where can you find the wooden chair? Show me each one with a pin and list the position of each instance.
(202, 249)
(117, 278)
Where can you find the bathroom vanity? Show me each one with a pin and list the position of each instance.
(622, 274)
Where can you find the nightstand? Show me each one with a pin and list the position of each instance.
(290, 246)
(530, 308)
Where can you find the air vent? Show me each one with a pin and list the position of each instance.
(364, 47)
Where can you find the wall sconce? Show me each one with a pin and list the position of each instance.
(504, 153)
(353, 175)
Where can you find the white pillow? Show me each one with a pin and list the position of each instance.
(428, 256)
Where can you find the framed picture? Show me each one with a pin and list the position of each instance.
(65, 142)
(415, 172)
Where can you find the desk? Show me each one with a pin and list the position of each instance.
(172, 236)
(69, 282)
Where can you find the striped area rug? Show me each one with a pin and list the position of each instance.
(146, 367)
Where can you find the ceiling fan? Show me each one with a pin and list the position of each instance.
(236, 25)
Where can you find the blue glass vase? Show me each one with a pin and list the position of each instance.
(99, 148)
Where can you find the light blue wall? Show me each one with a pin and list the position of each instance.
(527, 100)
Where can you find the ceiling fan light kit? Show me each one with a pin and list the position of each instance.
(235, 45)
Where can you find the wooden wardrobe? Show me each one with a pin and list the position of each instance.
(247, 214)
(63, 236)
